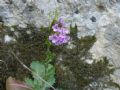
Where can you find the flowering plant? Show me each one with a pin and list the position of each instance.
(60, 35)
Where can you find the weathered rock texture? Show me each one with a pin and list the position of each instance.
(93, 17)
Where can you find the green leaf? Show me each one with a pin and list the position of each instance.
(50, 70)
(45, 71)
(50, 75)
(29, 82)
(37, 68)
(37, 82)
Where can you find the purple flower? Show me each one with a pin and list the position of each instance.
(59, 39)
(62, 30)
(60, 27)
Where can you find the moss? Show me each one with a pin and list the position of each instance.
(85, 73)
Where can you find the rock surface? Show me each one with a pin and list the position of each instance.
(99, 17)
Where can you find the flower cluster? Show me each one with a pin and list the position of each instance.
(61, 33)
